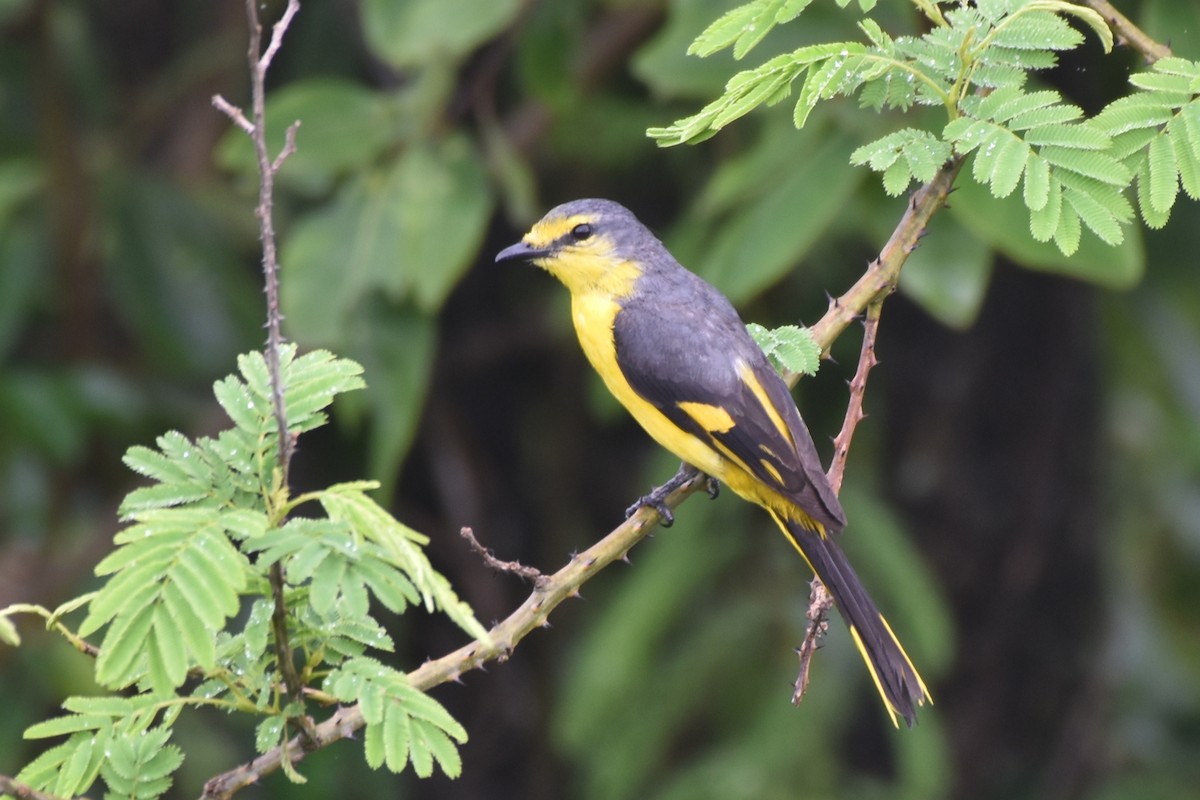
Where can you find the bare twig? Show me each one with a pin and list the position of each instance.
(820, 601)
(531, 574)
(234, 113)
(289, 147)
(52, 621)
(261, 65)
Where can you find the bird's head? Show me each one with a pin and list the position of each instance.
(587, 244)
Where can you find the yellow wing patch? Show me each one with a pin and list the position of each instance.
(713, 419)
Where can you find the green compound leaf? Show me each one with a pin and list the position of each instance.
(139, 766)
(1156, 134)
(176, 578)
(68, 769)
(904, 156)
(1070, 179)
(403, 723)
(402, 546)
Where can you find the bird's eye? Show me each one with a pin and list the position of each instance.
(581, 231)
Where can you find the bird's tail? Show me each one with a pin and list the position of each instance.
(895, 677)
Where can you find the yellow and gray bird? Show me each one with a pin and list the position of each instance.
(675, 353)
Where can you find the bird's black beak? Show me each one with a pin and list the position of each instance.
(519, 252)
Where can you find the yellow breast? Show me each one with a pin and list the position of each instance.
(593, 314)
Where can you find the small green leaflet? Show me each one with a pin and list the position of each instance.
(790, 348)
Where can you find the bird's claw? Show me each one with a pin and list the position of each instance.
(657, 499)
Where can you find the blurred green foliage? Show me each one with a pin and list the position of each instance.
(432, 134)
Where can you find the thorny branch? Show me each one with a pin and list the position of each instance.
(820, 601)
(255, 126)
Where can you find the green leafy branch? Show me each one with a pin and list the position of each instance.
(186, 608)
(976, 63)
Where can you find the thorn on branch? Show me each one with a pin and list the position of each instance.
(512, 567)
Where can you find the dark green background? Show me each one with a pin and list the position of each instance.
(1023, 496)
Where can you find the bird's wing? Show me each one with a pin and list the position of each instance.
(692, 359)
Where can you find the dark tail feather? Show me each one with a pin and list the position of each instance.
(895, 677)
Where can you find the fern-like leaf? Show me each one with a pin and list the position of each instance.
(913, 154)
(403, 724)
(1156, 134)
(992, 44)
(140, 767)
(1070, 178)
(348, 505)
(66, 770)
(341, 565)
(745, 26)
(175, 580)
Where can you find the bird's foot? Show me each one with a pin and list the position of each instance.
(657, 499)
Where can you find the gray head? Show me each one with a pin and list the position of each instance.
(583, 241)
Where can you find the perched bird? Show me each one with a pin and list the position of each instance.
(675, 353)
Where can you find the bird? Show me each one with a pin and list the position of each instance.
(675, 353)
